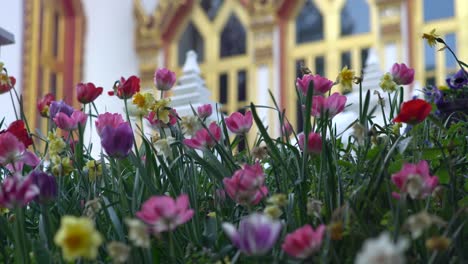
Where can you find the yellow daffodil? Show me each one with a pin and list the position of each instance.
(438, 243)
(94, 169)
(278, 200)
(78, 238)
(62, 166)
(336, 230)
(345, 78)
(162, 110)
(431, 37)
(387, 83)
(273, 211)
(56, 144)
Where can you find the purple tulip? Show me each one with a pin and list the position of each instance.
(458, 80)
(47, 186)
(118, 141)
(60, 107)
(257, 234)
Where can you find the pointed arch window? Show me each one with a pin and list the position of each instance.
(233, 38)
(191, 39)
(211, 7)
(355, 17)
(309, 24)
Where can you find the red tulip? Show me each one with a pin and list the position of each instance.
(87, 92)
(126, 88)
(18, 129)
(6, 83)
(413, 112)
(43, 104)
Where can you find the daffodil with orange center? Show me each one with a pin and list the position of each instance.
(78, 238)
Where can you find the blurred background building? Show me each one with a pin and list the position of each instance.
(245, 47)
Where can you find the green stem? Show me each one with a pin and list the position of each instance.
(21, 253)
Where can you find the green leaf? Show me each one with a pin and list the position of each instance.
(443, 175)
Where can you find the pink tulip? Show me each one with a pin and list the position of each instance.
(321, 84)
(415, 180)
(304, 242)
(14, 154)
(204, 111)
(17, 191)
(246, 186)
(402, 74)
(202, 138)
(238, 123)
(164, 79)
(314, 143)
(108, 119)
(162, 213)
(334, 104)
(71, 122)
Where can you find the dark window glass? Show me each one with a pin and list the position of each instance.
(346, 59)
(55, 33)
(223, 88)
(299, 115)
(364, 55)
(429, 57)
(233, 38)
(438, 9)
(241, 85)
(355, 17)
(309, 24)
(190, 40)
(320, 65)
(430, 81)
(53, 83)
(450, 61)
(211, 7)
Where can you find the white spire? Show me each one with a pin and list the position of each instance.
(191, 64)
(191, 89)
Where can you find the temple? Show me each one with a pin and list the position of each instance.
(245, 49)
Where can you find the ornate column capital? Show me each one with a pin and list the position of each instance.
(263, 20)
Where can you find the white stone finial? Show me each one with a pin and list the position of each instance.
(191, 64)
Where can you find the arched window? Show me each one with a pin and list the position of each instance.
(434, 10)
(233, 38)
(190, 40)
(355, 17)
(211, 7)
(309, 24)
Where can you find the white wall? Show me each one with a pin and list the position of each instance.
(11, 19)
(109, 51)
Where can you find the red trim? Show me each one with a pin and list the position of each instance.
(68, 61)
(283, 14)
(409, 11)
(176, 20)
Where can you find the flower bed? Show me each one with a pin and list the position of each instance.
(192, 193)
